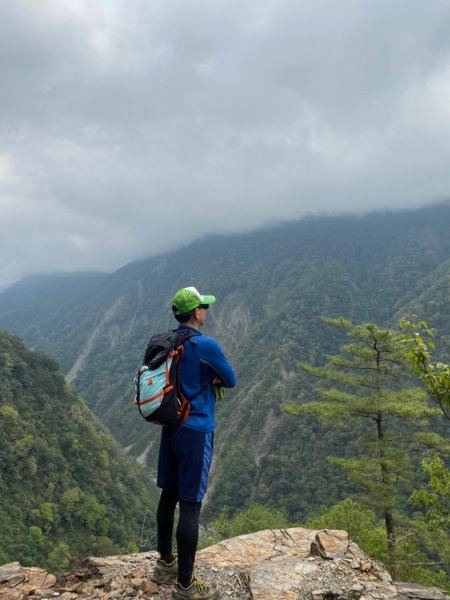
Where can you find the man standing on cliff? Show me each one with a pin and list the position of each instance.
(186, 450)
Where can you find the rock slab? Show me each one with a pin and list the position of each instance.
(282, 564)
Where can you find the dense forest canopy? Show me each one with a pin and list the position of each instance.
(66, 490)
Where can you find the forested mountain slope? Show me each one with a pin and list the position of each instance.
(272, 287)
(66, 490)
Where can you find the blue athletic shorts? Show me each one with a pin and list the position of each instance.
(184, 461)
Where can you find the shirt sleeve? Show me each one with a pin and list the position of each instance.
(211, 354)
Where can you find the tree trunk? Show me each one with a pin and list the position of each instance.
(388, 516)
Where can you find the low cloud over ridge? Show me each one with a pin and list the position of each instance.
(130, 128)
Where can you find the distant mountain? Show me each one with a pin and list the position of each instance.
(66, 489)
(46, 303)
(272, 287)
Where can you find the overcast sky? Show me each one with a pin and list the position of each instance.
(129, 127)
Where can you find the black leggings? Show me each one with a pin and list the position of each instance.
(187, 531)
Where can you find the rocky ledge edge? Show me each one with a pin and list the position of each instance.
(282, 564)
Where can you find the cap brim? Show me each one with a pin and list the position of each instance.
(208, 299)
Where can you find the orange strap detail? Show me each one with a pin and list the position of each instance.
(164, 391)
(167, 371)
(173, 354)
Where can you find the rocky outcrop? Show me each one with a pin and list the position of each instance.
(20, 582)
(285, 564)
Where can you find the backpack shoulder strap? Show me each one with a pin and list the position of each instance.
(190, 336)
(186, 335)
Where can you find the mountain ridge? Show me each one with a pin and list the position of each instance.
(272, 287)
(65, 488)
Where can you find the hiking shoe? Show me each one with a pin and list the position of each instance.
(198, 590)
(165, 572)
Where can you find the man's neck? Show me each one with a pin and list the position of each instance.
(195, 324)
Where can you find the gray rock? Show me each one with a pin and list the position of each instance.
(283, 564)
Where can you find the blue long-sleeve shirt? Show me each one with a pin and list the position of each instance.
(202, 361)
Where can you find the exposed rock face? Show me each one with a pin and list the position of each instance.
(286, 564)
(14, 577)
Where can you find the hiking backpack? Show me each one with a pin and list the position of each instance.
(157, 387)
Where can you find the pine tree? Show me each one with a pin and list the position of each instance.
(366, 382)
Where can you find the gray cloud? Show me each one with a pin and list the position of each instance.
(128, 128)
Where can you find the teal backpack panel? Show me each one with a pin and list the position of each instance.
(152, 386)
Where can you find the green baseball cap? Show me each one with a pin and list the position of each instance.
(189, 298)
